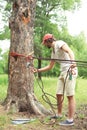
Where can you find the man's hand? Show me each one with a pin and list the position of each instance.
(73, 65)
(73, 68)
(34, 70)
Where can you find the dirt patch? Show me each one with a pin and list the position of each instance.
(42, 123)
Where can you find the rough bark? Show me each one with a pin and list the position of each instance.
(20, 94)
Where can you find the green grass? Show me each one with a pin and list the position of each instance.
(3, 86)
(49, 86)
(81, 91)
(3, 79)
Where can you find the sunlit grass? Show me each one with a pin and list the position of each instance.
(81, 91)
(3, 86)
(48, 87)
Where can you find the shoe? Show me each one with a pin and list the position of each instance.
(55, 117)
(66, 123)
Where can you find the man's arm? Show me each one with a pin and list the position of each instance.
(68, 50)
(48, 67)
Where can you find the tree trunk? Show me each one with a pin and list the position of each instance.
(20, 94)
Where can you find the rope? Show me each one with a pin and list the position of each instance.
(30, 57)
(47, 100)
(45, 94)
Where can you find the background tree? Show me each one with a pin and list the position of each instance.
(5, 9)
(20, 90)
(54, 15)
(50, 16)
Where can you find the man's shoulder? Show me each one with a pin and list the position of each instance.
(60, 43)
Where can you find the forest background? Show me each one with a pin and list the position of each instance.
(48, 20)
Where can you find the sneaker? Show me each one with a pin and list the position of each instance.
(66, 123)
(55, 117)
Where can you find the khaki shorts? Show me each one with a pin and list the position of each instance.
(65, 85)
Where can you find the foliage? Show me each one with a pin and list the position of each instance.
(50, 18)
(48, 14)
(5, 10)
(5, 34)
(3, 62)
(3, 86)
(79, 46)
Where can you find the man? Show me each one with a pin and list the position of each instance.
(60, 50)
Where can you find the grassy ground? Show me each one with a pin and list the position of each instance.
(49, 85)
(3, 86)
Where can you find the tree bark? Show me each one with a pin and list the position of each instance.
(20, 94)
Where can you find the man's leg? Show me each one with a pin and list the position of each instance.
(71, 111)
(59, 104)
(70, 90)
(71, 107)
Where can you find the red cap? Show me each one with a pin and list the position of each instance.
(46, 37)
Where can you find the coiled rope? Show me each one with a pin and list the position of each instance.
(45, 95)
